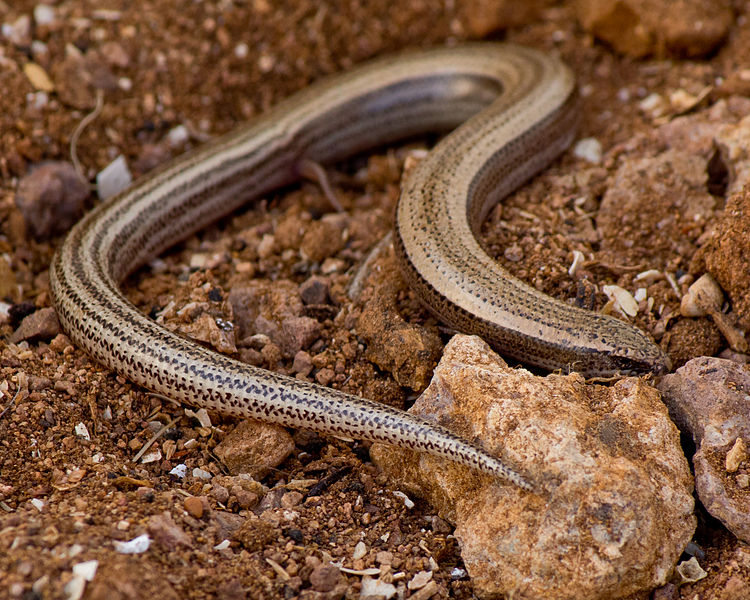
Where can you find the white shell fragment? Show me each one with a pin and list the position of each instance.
(201, 414)
(137, 545)
(82, 431)
(577, 262)
(407, 501)
(690, 571)
(649, 276)
(623, 300)
(179, 470)
(703, 296)
(113, 178)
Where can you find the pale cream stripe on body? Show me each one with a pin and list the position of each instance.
(519, 108)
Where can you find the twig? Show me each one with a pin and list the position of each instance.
(11, 403)
(156, 436)
(79, 130)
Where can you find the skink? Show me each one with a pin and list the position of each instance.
(518, 109)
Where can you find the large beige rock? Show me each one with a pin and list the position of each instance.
(614, 508)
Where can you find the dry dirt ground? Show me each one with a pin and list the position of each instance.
(208, 66)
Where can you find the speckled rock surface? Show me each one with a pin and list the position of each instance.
(669, 188)
(709, 398)
(253, 447)
(727, 253)
(642, 27)
(614, 510)
(51, 198)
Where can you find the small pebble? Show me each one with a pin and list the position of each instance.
(44, 15)
(324, 578)
(736, 456)
(179, 471)
(589, 149)
(137, 545)
(194, 506)
(113, 178)
(360, 550)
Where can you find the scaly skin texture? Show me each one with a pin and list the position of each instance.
(520, 106)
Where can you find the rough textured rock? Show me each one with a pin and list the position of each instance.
(51, 198)
(167, 533)
(614, 510)
(205, 329)
(727, 255)
(642, 27)
(482, 17)
(407, 351)
(39, 325)
(669, 189)
(255, 448)
(733, 141)
(709, 398)
(273, 309)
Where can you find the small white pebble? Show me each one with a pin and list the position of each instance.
(179, 470)
(198, 261)
(38, 100)
(359, 551)
(4, 311)
(623, 94)
(640, 294)
(178, 136)
(241, 50)
(44, 14)
(223, 545)
(137, 545)
(74, 588)
(201, 474)
(86, 569)
(458, 573)
(420, 580)
(113, 178)
(123, 525)
(376, 588)
(653, 104)
(125, 84)
(37, 503)
(589, 149)
(151, 457)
